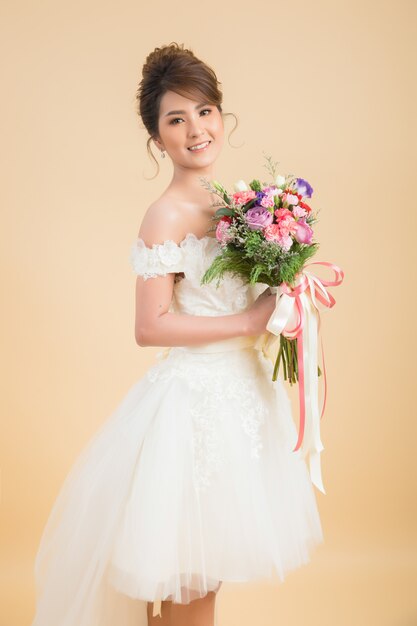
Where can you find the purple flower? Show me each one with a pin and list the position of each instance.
(258, 217)
(304, 188)
(304, 232)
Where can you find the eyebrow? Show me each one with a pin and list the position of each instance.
(198, 106)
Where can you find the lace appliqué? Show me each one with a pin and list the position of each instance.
(221, 393)
(159, 260)
(188, 260)
(221, 396)
(207, 445)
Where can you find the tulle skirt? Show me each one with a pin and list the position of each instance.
(191, 481)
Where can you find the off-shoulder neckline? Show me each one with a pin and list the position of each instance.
(188, 235)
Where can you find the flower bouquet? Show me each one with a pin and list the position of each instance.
(266, 236)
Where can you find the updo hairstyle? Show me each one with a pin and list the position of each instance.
(174, 68)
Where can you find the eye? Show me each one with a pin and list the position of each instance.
(175, 119)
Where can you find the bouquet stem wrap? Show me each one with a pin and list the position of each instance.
(297, 316)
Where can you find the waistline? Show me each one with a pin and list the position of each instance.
(225, 345)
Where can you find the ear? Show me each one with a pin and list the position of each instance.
(158, 143)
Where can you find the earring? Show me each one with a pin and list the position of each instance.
(162, 154)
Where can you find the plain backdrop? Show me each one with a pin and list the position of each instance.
(328, 88)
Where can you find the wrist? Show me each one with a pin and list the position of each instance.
(246, 327)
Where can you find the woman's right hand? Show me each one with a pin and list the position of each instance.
(259, 313)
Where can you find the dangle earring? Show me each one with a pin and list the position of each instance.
(162, 154)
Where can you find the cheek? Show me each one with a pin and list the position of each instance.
(217, 127)
(174, 136)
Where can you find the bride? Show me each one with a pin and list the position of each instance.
(192, 481)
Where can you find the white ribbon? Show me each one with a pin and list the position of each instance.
(283, 320)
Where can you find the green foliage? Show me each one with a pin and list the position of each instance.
(255, 185)
(249, 255)
(253, 241)
(295, 262)
(248, 205)
(231, 260)
(262, 262)
(224, 211)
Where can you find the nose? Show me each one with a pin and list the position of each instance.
(195, 129)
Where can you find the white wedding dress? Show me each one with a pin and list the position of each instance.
(191, 481)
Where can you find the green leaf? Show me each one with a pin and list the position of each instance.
(248, 205)
(255, 185)
(224, 211)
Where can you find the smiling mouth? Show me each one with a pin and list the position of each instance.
(199, 147)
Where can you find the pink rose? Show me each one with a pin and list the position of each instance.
(221, 231)
(304, 233)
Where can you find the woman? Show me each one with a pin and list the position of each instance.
(192, 480)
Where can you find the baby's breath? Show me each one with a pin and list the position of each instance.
(271, 166)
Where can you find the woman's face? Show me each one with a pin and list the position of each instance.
(183, 123)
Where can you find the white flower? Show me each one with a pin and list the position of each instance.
(240, 185)
(169, 253)
(191, 243)
(280, 180)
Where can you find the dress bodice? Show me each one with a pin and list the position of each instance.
(189, 260)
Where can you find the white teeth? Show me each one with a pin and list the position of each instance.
(201, 145)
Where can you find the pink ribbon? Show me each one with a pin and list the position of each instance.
(316, 291)
(309, 285)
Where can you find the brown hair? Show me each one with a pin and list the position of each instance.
(174, 68)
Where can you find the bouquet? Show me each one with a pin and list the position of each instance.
(265, 231)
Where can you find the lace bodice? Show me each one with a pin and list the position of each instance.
(191, 257)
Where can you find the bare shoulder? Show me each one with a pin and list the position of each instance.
(164, 219)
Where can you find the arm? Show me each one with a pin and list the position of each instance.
(155, 325)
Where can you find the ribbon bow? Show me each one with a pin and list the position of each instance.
(298, 306)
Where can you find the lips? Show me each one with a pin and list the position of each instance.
(203, 144)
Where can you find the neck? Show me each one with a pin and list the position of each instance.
(190, 178)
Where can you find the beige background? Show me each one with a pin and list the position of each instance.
(326, 87)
